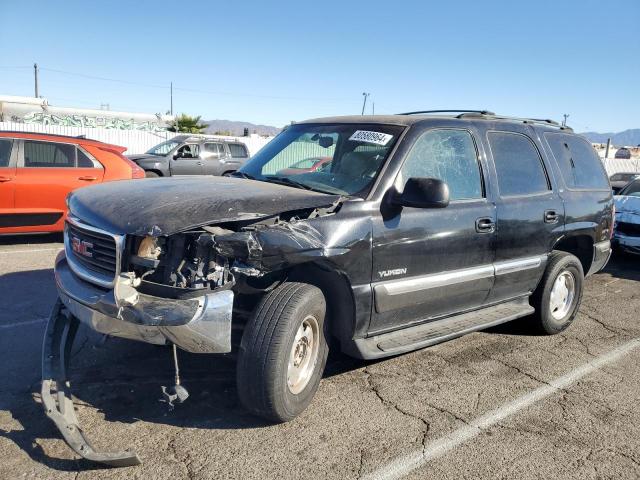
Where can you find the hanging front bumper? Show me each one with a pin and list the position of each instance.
(56, 390)
(199, 325)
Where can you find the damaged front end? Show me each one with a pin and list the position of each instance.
(184, 289)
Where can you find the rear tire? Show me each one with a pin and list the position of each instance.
(283, 352)
(559, 293)
(150, 174)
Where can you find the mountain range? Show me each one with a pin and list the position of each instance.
(233, 128)
(628, 138)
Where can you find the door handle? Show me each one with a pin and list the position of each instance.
(87, 178)
(200, 163)
(485, 225)
(551, 216)
(5, 179)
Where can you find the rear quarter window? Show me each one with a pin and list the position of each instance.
(84, 161)
(579, 163)
(238, 150)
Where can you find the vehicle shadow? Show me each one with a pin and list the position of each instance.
(26, 295)
(623, 265)
(122, 380)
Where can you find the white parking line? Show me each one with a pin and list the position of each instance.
(404, 465)
(22, 324)
(31, 251)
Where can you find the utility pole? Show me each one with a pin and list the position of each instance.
(373, 108)
(171, 94)
(564, 122)
(35, 75)
(364, 103)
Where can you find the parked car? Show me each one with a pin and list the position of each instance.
(623, 153)
(38, 170)
(192, 155)
(424, 228)
(626, 235)
(621, 179)
(307, 165)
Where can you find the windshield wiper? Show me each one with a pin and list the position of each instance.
(287, 181)
(239, 174)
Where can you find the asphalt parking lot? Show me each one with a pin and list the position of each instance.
(497, 404)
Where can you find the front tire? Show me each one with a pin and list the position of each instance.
(559, 293)
(150, 174)
(283, 352)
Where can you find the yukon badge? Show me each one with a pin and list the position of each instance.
(392, 273)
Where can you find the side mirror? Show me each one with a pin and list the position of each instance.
(423, 193)
(177, 155)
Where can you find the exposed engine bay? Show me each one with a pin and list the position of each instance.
(238, 255)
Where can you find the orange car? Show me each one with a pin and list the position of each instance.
(38, 170)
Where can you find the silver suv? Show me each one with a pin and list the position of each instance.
(192, 155)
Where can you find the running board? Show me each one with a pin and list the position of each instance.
(437, 331)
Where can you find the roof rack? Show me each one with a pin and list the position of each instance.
(481, 112)
(488, 115)
(539, 121)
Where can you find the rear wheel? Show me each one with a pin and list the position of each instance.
(283, 352)
(558, 296)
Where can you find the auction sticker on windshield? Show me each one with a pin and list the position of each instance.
(371, 137)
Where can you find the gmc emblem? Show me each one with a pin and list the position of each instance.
(81, 247)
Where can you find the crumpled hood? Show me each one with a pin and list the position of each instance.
(165, 206)
(627, 208)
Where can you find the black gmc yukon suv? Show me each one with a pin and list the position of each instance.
(421, 228)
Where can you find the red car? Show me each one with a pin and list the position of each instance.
(38, 170)
(307, 165)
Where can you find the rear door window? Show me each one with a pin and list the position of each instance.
(237, 150)
(48, 155)
(214, 148)
(449, 155)
(5, 152)
(578, 161)
(518, 164)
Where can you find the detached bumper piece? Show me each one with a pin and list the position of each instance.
(56, 390)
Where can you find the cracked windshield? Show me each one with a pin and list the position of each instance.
(337, 159)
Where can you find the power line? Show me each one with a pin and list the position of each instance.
(251, 95)
(192, 90)
(94, 77)
(16, 66)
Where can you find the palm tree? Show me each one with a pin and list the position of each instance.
(187, 124)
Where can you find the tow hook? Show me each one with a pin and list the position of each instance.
(56, 390)
(176, 393)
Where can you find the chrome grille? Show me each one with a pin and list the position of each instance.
(92, 253)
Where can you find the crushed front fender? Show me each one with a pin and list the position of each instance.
(56, 390)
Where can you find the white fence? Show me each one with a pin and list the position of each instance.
(614, 165)
(136, 141)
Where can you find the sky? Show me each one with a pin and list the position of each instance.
(273, 62)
